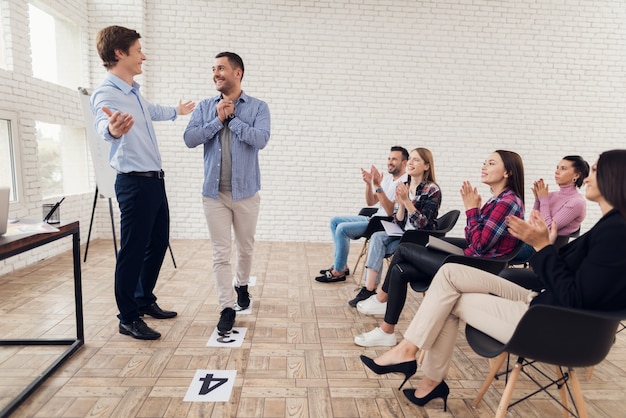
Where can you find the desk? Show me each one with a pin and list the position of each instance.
(13, 245)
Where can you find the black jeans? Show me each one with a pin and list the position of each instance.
(411, 263)
(144, 237)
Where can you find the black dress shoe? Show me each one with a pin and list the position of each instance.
(138, 329)
(156, 312)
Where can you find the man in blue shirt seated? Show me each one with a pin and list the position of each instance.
(232, 127)
(124, 118)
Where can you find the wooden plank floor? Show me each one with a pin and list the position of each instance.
(298, 358)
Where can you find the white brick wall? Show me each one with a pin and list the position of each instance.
(345, 80)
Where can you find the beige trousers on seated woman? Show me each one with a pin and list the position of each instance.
(487, 302)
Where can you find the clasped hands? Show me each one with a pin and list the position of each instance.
(224, 108)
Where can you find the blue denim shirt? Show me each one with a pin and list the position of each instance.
(138, 149)
(250, 133)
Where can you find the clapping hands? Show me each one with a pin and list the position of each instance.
(533, 232)
(470, 196)
(540, 188)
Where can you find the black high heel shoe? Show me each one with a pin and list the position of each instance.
(408, 368)
(440, 391)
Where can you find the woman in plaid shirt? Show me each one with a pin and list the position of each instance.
(486, 235)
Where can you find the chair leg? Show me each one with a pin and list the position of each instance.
(508, 390)
(563, 391)
(495, 367)
(355, 272)
(579, 401)
(590, 372)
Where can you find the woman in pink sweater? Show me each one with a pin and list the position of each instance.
(566, 207)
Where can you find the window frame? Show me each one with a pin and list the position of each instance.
(15, 154)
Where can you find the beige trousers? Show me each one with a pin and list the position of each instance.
(485, 301)
(222, 215)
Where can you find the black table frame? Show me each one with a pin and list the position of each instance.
(14, 245)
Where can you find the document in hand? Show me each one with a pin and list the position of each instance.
(392, 229)
(441, 245)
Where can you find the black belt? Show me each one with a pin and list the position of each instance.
(153, 174)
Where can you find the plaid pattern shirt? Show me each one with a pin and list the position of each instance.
(426, 202)
(486, 231)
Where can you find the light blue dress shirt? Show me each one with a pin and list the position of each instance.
(250, 133)
(138, 149)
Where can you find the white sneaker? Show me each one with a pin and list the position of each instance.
(374, 338)
(371, 306)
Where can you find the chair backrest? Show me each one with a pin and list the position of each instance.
(562, 240)
(446, 222)
(368, 211)
(555, 335)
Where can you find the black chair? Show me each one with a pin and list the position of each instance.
(492, 265)
(445, 223)
(563, 337)
(562, 240)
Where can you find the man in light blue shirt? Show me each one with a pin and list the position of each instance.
(124, 118)
(232, 127)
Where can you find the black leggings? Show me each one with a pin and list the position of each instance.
(411, 263)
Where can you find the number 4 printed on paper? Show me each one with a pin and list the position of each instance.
(211, 386)
(208, 379)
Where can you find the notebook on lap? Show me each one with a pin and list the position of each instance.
(5, 193)
(444, 246)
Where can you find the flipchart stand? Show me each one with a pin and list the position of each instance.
(105, 174)
(93, 212)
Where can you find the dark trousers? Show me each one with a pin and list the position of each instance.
(411, 263)
(144, 237)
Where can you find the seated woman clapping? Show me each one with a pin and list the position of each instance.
(485, 235)
(566, 207)
(588, 273)
(418, 205)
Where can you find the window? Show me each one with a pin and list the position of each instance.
(9, 157)
(55, 47)
(63, 160)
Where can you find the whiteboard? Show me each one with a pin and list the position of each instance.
(105, 174)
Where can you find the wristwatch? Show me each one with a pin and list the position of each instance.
(379, 190)
(229, 118)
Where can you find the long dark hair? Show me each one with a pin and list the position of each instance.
(611, 178)
(515, 169)
(580, 166)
